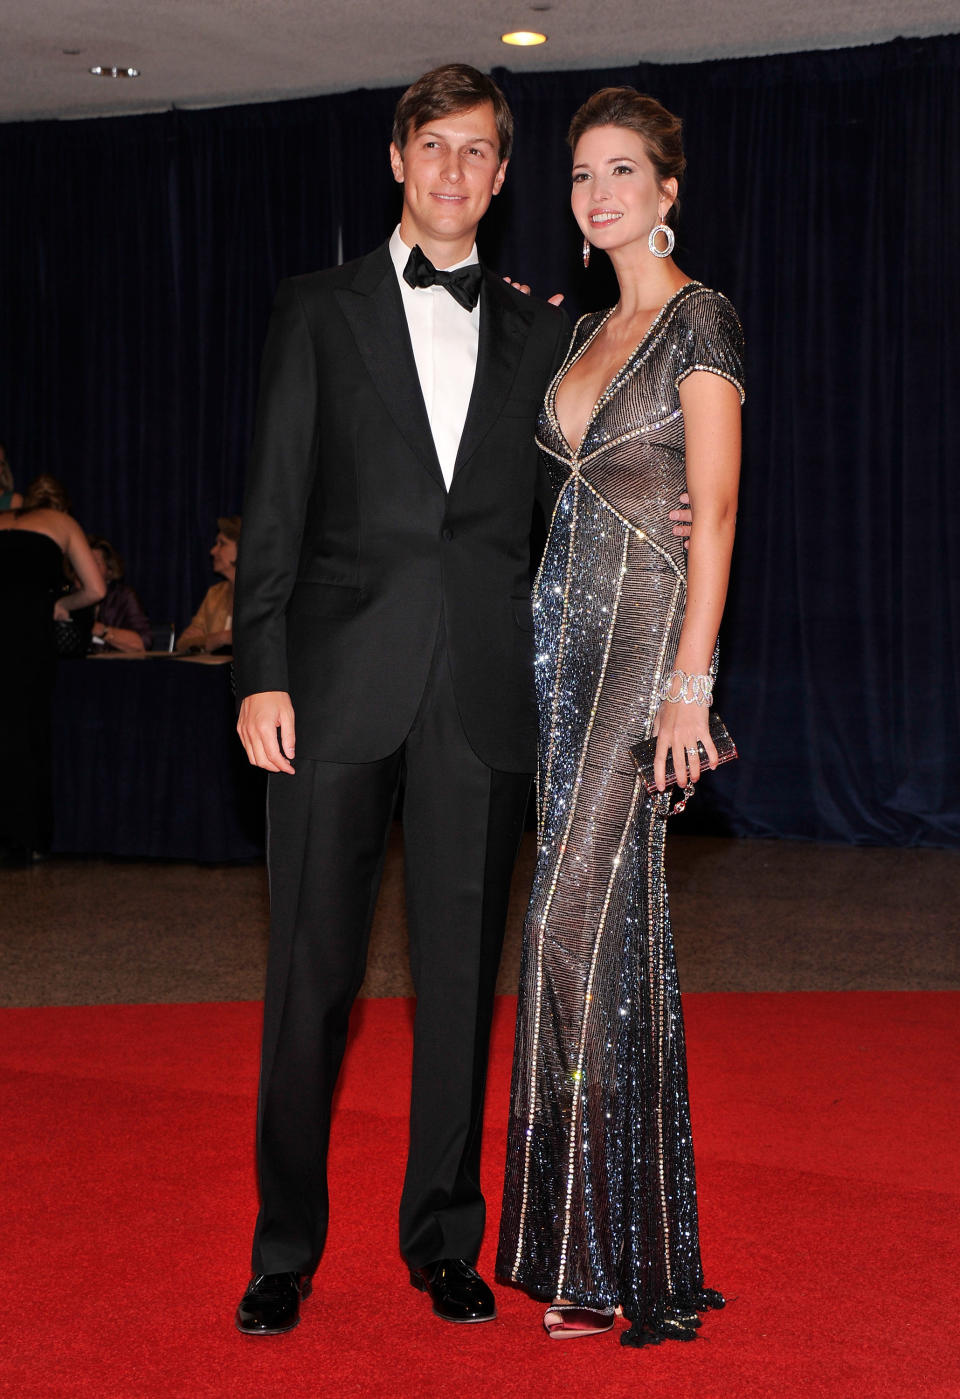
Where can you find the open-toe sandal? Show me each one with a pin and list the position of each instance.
(565, 1320)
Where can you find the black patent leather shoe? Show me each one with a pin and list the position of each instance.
(457, 1291)
(271, 1304)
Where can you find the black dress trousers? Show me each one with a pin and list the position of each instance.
(327, 833)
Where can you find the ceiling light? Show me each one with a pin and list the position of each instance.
(525, 38)
(103, 70)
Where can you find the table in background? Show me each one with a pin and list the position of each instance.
(146, 761)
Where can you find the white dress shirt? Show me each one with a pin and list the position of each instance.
(445, 338)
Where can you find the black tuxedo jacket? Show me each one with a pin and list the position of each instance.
(352, 548)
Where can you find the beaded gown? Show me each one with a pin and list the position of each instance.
(600, 1198)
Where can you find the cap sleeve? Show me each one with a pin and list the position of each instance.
(712, 340)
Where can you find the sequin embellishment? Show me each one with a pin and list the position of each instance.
(600, 1197)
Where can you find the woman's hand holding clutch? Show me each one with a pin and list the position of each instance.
(679, 729)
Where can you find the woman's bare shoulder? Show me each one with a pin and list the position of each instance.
(55, 524)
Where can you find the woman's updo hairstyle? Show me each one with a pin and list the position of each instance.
(46, 493)
(659, 130)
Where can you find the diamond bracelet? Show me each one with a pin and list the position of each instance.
(692, 689)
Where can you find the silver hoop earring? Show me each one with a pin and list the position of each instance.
(586, 253)
(667, 232)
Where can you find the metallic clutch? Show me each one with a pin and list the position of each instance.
(644, 752)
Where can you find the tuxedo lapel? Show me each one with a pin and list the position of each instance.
(373, 308)
(504, 324)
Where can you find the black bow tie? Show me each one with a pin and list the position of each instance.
(463, 284)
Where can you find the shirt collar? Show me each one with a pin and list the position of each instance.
(399, 253)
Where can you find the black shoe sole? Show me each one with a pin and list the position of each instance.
(273, 1331)
(465, 1320)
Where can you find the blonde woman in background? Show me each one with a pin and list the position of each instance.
(211, 628)
(10, 499)
(35, 541)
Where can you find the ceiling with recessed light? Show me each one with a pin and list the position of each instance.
(200, 53)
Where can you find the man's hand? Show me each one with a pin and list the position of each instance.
(261, 715)
(554, 300)
(683, 520)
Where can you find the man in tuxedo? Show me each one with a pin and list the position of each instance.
(383, 632)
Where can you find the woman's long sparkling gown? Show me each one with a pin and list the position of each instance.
(600, 1198)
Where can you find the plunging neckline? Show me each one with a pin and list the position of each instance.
(613, 384)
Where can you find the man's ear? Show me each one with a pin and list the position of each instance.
(500, 176)
(396, 163)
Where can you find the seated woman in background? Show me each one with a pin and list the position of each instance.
(212, 626)
(9, 498)
(34, 543)
(119, 620)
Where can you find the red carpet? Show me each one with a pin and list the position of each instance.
(825, 1127)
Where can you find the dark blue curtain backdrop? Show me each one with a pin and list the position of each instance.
(138, 259)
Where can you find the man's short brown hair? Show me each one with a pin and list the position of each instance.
(456, 87)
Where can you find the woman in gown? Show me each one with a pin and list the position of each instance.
(34, 541)
(600, 1209)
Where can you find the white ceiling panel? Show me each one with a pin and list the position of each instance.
(199, 53)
